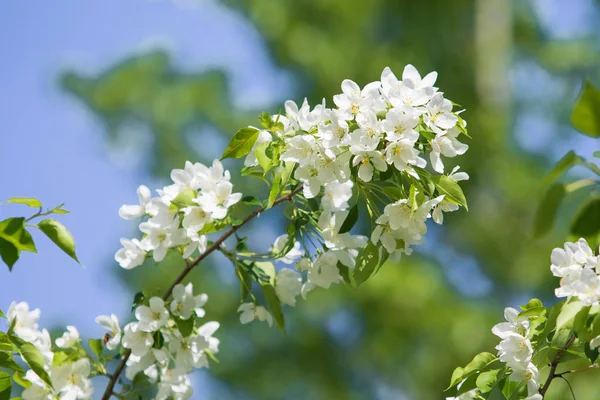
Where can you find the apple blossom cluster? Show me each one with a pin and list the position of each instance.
(578, 268)
(516, 351)
(68, 369)
(166, 346)
(388, 124)
(198, 197)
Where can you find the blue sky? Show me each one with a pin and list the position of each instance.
(52, 147)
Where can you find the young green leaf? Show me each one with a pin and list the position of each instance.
(28, 201)
(585, 116)
(274, 305)
(264, 156)
(2, 315)
(9, 253)
(32, 356)
(567, 161)
(185, 199)
(241, 143)
(7, 361)
(366, 262)
(5, 386)
(13, 231)
(96, 346)
(451, 189)
(479, 363)
(251, 200)
(59, 234)
(587, 221)
(186, 327)
(350, 220)
(546, 212)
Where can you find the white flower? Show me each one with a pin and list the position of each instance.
(335, 133)
(595, 342)
(38, 389)
(458, 176)
(300, 149)
(197, 242)
(400, 124)
(337, 195)
(412, 90)
(146, 363)
(162, 232)
(26, 324)
(137, 211)
(184, 302)
(514, 350)
(131, 255)
(43, 342)
(251, 311)
(288, 284)
(439, 117)
(354, 101)
(444, 206)
(368, 135)
(369, 161)
(194, 218)
(513, 324)
(291, 256)
(71, 380)
(304, 264)
(447, 145)
(152, 318)
(588, 287)
(218, 200)
(111, 324)
(470, 395)
(137, 340)
(174, 384)
(330, 224)
(324, 271)
(69, 338)
(527, 373)
(403, 155)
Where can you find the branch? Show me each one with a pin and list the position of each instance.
(552, 374)
(189, 266)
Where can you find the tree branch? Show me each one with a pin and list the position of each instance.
(552, 374)
(189, 266)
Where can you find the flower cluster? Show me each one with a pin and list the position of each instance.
(178, 217)
(516, 351)
(166, 345)
(578, 268)
(67, 367)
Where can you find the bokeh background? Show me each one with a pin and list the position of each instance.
(97, 97)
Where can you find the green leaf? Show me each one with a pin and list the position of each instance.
(596, 154)
(344, 272)
(32, 356)
(5, 343)
(567, 161)
(28, 201)
(451, 189)
(59, 209)
(546, 212)
(9, 253)
(585, 116)
(245, 282)
(138, 300)
(567, 315)
(265, 120)
(251, 200)
(7, 361)
(533, 304)
(592, 355)
(509, 387)
(264, 155)
(13, 231)
(2, 315)
(241, 143)
(479, 363)
(486, 380)
(186, 327)
(96, 346)
(350, 220)
(265, 271)
(19, 378)
(159, 339)
(60, 235)
(5, 386)
(274, 305)
(185, 199)
(366, 262)
(587, 221)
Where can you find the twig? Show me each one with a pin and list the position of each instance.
(552, 374)
(189, 266)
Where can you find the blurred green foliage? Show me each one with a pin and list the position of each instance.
(406, 329)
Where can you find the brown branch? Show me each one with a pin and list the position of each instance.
(552, 374)
(189, 266)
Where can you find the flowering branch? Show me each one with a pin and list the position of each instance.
(108, 392)
(552, 374)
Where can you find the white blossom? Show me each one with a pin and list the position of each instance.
(111, 324)
(131, 255)
(69, 338)
(250, 312)
(153, 317)
(137, 211)
(288, 284)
